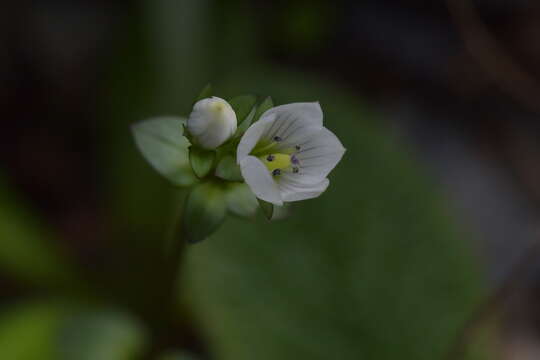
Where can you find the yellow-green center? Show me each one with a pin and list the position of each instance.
(276, 161)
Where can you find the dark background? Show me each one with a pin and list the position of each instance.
(437, 96)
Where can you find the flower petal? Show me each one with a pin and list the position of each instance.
(319, 155)
(293, 190)
(260, 180)
(252, 136)
(292, 119)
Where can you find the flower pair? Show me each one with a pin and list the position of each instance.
(285, 156)
(239, 155)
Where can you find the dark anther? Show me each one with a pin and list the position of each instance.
(277, 138)
(270, 157)
(276, 172)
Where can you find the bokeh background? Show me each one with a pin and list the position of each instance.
(423, 247)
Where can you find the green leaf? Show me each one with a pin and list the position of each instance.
(47, 330)
(29, 331)
(28, 250)
(206, 92)
(204, 211)
(254, 115)
(240, 200)
(163, 145)
(228, 169)
(176, 355)
(267, 208)
(265, 105)
(242, 106)
(201, 161)
(100, 334)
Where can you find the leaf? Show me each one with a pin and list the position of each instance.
(206, 92)
(201, 160)
(103, 335)
(163, 145)
(242, 106)
(204, 211)
(240, 200)
(47, 330)
(29, 331)
(28, 251)
(254, 115)
(177, 355)
(228, 169)
(267, 208)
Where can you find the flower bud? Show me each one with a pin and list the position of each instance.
(212, 122)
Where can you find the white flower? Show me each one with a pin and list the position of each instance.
(212, 122)
(287, 154)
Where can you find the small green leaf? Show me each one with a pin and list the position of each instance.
(204, 211)
(267, 208)
(228, 169)
(247, 122)
(206, 92)
(161, 142)
(265, 105)
(201, 161)
(255, 115)
(242, 106)
(240, 200)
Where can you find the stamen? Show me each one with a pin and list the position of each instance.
(297, 147)
(295, 170)
(277, 138)
(276, 172)
(295, 160)
(270, 157)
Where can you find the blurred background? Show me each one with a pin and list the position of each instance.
(423, 247)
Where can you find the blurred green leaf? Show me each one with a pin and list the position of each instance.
(240, 200)
(163, 145)
(372, 269)
(242, 106)
(204, 211)
(267, 208)
(228, 169)
(27, 249)
(177, 355)
(51, 330)
(101, 335)
(29, 331)
(201, 161)
(206, 92)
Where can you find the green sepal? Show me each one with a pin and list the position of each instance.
(265, 105)
(204, 211)
(162, 144)
(228, 169)
(246, 123)
(254, 115)
(240, 200)
(242, 106)
(201, 160)
(267, 208)
(206, 92)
